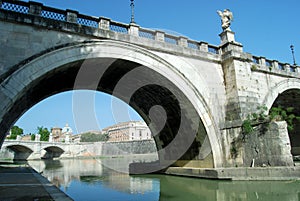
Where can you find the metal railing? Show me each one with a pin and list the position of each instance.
(88, 21)
(146, 33)
(193, 45)
(171, 39)
(54, 14)
(119, 27)
(16, 6)
(281, 66)
(213, 49)
(270, 65)
(255, 60)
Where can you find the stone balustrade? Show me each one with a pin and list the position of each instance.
(71, 16)
(275, 67)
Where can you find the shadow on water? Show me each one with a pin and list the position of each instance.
(90, 179)
(182, 188)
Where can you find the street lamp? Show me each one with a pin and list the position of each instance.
(132, 11)
(292, 49)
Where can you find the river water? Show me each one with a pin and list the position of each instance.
(97, 180)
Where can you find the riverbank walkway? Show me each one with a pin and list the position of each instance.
(22, 183)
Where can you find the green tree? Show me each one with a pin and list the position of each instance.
(92, 137)
(284, 114)
(32, 137)
(44, 132)
(15, 131)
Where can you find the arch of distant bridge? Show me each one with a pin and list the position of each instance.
(29, 148)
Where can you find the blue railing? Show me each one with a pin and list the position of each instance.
(91, 22)
(261, 61)
(147, 34)
(16, 6)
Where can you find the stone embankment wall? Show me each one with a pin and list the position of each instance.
(127, 148)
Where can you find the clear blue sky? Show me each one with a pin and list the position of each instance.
(264, 27)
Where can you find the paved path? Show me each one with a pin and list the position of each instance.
(25, 184)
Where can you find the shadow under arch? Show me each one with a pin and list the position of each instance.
(57, 71)
(287, 95)
(52, 152)
(21, 152)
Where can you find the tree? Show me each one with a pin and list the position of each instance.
(284, 114)
(92, 137)
(32, 137)
(15, 131)
(44, 132)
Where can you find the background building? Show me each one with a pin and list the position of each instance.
(61, 134)
(56, 134)
(128, 131)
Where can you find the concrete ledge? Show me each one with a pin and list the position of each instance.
(23, 183)
(241, 173)
(55, 193)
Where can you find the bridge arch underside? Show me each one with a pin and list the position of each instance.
(291, 99)
(52, 152)
(183, 133)
(17, 152)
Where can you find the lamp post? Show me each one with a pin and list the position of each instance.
(132, 11)
(292, 49)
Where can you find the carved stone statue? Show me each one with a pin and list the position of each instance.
(226, 18)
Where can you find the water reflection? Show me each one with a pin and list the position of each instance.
(90, 179)
(63, 172)
(179, 188)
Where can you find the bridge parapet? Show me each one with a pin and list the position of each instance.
(274, 67)
(102, 23)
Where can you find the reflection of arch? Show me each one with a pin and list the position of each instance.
(21, 152)
(52, 152)
(58, 69)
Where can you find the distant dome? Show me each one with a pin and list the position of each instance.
(67, 129)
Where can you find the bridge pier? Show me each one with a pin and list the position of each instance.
(269, 143)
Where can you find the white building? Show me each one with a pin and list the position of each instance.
(128, 131)
(61, 134)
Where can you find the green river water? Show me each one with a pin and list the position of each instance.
(97, 180)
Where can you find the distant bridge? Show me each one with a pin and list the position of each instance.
(31, 150)
(205, 91)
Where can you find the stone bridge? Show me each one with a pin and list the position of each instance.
(193, 95)
(32, 150)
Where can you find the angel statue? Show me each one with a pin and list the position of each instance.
(226, 17)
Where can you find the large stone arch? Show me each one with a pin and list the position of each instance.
(18, 151)
(287, 94)
(52, 151)
(25, 84)
(278, 89)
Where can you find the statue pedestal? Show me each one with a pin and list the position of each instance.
(227, 36)
(228, 42)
